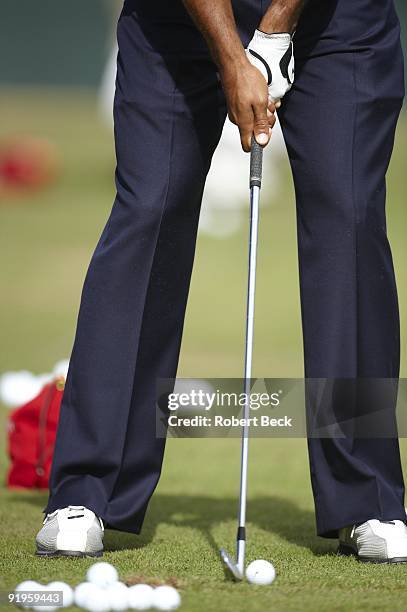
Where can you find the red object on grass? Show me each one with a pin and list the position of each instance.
(27, 163)
(31, 438)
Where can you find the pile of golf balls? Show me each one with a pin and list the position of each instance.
(103, 592)
(33, 587)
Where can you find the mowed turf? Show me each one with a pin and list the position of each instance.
(46, 241)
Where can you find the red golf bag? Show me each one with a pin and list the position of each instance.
(31, 438)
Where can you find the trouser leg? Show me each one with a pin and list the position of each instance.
(339, 122)
(169, 113)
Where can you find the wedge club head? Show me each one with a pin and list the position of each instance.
(229, 566)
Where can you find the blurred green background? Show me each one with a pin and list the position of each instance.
(46, 240)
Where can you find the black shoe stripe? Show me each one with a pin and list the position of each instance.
(78, 516)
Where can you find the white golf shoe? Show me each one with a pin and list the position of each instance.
(74, 531)
(375, 541)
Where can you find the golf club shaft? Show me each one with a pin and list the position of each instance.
(255, 185)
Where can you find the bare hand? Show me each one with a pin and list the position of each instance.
(248, 103)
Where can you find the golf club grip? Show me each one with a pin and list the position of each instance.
(256, 164)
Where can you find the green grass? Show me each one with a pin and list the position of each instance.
(46, 241)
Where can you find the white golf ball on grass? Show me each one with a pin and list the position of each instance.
(27, 585)
(140, 597)
(260, 572)
(117, 595)
(166, 598)
(96, 600)
(82, 592)
(67, 592)
(102, 574)
(46, 606)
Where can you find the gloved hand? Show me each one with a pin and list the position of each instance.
(273, 55)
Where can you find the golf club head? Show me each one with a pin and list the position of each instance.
(231, 568)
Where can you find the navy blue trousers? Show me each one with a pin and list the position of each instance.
(339, 122)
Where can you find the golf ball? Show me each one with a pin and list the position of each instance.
(81, 593)
(96, 600)
(117, 595)
(140, 597)
(27, 585)
(102, 574)
(260, 572)
(166, 598)
(67, 592)
(43, 607)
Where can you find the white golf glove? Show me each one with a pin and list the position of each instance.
(273, 55)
